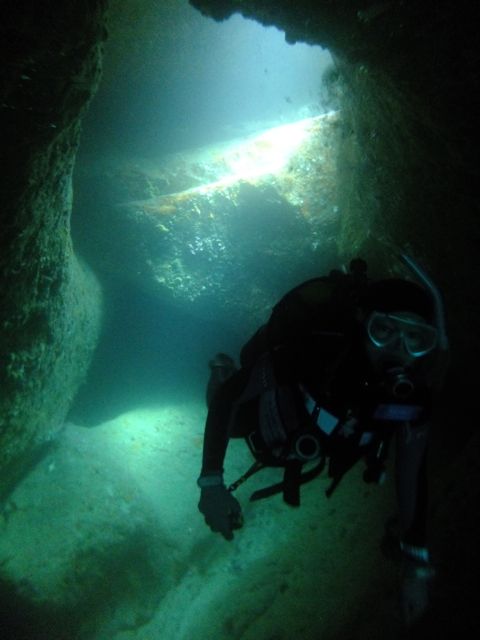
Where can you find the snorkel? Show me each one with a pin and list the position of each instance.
(439, 313)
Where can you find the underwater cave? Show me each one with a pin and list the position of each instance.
(170, 170)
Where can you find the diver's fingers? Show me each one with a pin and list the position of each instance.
(222, 512)
(227, 534)
(226, 525)
(236, 519)
(221, 525)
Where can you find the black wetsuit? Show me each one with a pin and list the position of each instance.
(332, 366)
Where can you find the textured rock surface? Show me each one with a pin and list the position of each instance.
(50, 304)
(230, 226)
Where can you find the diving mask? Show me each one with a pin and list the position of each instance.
(386, 329)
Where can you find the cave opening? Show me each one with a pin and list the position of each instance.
(204, 188)
(174, 79)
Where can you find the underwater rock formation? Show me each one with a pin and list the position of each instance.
(219, 227)
(50, 303)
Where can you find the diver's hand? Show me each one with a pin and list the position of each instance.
(221, 510)
(415, 587)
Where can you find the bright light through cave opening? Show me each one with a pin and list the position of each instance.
(174, 80)
(256, 99)
(259, 99)
(262, 154)
(255, 80)
(221, 138)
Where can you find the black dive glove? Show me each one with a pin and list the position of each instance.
(221, 510)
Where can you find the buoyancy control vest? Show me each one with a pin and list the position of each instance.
(309, 334)
(313, 401)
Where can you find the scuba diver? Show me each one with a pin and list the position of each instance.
(344, 366)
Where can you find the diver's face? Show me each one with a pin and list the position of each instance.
(397, 340)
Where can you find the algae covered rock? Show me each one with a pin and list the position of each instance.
(228, 226)
(49, 304)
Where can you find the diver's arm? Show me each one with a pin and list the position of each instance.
(216, 433)
(215, 439)
(221, 510)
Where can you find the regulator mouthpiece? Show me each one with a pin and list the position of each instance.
(400, 384)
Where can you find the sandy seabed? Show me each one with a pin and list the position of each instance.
(121, 498)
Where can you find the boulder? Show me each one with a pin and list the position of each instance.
(228, 226)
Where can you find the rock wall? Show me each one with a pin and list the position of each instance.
(50, 303)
